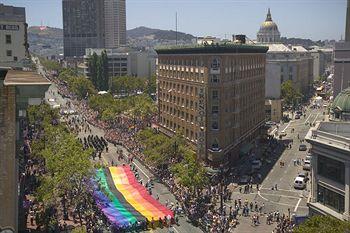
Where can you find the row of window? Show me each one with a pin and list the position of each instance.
(198, 77)
(331, 199)
(172, 125)
(180, 88)
(117, 64)
(331, 169)
(180, 114)
(111, 69)
(251, 61)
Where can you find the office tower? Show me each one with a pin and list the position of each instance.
(214, 95)
(115, 23)
(92, 24)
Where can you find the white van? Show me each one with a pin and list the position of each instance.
(299, 183)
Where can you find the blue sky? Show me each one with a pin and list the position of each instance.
(314, 19)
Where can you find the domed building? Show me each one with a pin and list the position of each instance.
(340, 108)
(268, 32)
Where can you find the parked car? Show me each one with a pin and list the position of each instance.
(307, 165)
(270, 123)
(304, 175)
(299, 183)
(283, 133)
(303, 147)
(308, 157)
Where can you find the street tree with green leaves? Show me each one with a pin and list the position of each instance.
(50, 64)
(98, 67)
(66, 74)
(67, 164)
(289, 93)
(82, 87)
(128, 85)
(190, 172)
(152, 85)
(324, 224)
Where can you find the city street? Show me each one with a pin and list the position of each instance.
(107, 158)
(284, 199)
(286, 196)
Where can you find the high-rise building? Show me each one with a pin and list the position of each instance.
(13, 35)
(214, 95)
(92, 24)
(342, 60)
(115, 23)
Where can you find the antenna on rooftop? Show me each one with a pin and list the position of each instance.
(176, 27)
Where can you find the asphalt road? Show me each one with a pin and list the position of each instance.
(286, 197)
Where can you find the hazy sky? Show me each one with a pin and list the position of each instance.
(314, 19)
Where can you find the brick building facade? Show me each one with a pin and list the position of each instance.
(214, 94)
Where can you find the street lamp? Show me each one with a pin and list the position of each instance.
(221, 189)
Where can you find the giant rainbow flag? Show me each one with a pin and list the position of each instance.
(123, 200)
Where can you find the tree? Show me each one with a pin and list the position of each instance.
(152, 85)
(104, 70)
(324, 224)
(67, 164)
(66, 74)
(93, 69)
(190, 173)
(50, 65)
(289, 93)
(82, 87)
(128, 85)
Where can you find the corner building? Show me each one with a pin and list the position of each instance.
(214, 95)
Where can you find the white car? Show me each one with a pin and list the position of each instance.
(304, 175)
(308, 157)
(299, 183)
(51, 100)
(283, 133)
(307, 165)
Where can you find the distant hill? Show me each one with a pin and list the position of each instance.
(47, 32)
(157, 34)
(299, 41)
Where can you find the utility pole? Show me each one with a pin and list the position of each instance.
(176, 27)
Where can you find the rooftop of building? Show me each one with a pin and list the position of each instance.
(335, 134)
(120, 51)
(23, 78)
(12, 13)
(212, 49)
(341, 103)
(279, 47)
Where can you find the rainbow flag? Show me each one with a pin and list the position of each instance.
(123, 200)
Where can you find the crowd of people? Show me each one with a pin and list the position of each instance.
(202, 207)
